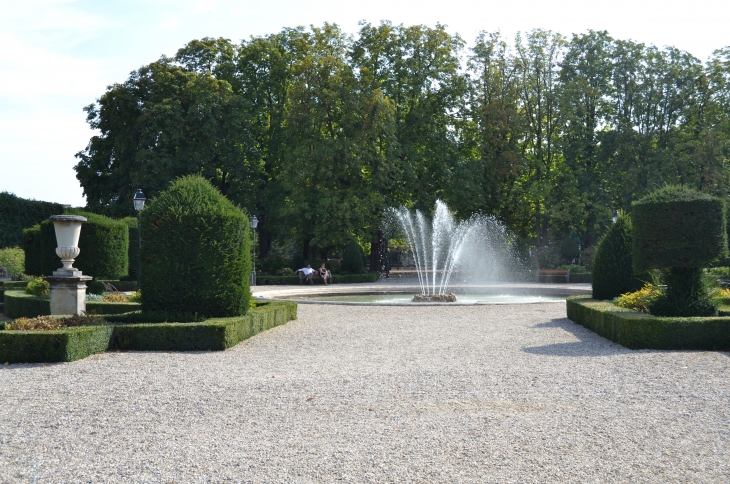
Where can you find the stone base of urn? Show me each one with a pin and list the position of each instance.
(68, 292)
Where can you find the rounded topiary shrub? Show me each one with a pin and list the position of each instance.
(612, 271)
(103, 244)
(196, 252)
(352, 258)
(32, 248)
(678, 227)
(680, 230)
(133, 250)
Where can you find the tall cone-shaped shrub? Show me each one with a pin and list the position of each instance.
(679, 230)
(196, 252)
(613, 272)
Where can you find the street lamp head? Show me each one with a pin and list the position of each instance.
(615, 216)
(254, 222)
(139, 200)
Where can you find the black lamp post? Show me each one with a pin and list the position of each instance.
(615, 216)
(139, 200)
(254, 224)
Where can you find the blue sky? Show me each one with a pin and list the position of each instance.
(58, 56)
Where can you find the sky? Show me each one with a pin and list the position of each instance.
(57, 56)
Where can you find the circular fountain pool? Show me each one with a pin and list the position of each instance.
(406, 299)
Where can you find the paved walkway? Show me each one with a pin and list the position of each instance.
(506, 393)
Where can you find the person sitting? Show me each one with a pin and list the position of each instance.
(324, 274)
(305, 274)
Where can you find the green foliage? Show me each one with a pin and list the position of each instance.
(18, 213)
(32, 249)
(37, 287)
(352, 258)
(636, 330)
(71, 344)
(133, 252)
(13, 260)
(686, 294)
(613, 272)
(678, 227)
(196, 251)
(549, 257)
(103, 246)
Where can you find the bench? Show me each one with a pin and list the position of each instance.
(315, 276)
(553, 273)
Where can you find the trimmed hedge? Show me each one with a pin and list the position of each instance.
(74, 343)
(32, 248)
(196, 251)
(678, 227)
(18, 213)
(337, 279)
(103, 243)
(636, 330)
(18, 304)
(67, 344)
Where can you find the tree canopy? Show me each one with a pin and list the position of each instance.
(316, 131)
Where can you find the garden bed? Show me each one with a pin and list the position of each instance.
(19, 304)
(74, 343)
(636, 330)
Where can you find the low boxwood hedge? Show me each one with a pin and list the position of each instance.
(636, 330)
(71, 344)
(18, 304)
(336, 279)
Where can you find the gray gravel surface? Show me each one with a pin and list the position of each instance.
(372, 394)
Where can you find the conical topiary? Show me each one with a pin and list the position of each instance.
(352, 258)
(613, 272)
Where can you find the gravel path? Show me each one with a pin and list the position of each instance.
(363, 394)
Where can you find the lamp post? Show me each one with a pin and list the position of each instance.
(138, 201)
(615, 216)
(254, 224)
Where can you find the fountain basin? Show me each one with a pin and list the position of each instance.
(387, 293)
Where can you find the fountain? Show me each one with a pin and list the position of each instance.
(438, 246)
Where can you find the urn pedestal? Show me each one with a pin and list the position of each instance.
(68, 284)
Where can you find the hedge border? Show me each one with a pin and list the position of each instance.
(336, 279)
(636, 330)
(19, 304)
(71, 344)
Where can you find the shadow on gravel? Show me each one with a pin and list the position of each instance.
(590, 344)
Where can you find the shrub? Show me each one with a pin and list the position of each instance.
(352, 258)
(196, 251)
(38, 287)
(613, 272)
(47, 323)
(32, 248)
(680, 230)
(549, 257)
(586, 257)
(13, 260)
(103, 243)
(133, 247)
(639, 300)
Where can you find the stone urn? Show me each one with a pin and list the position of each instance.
(68, 231)
(68, 284)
